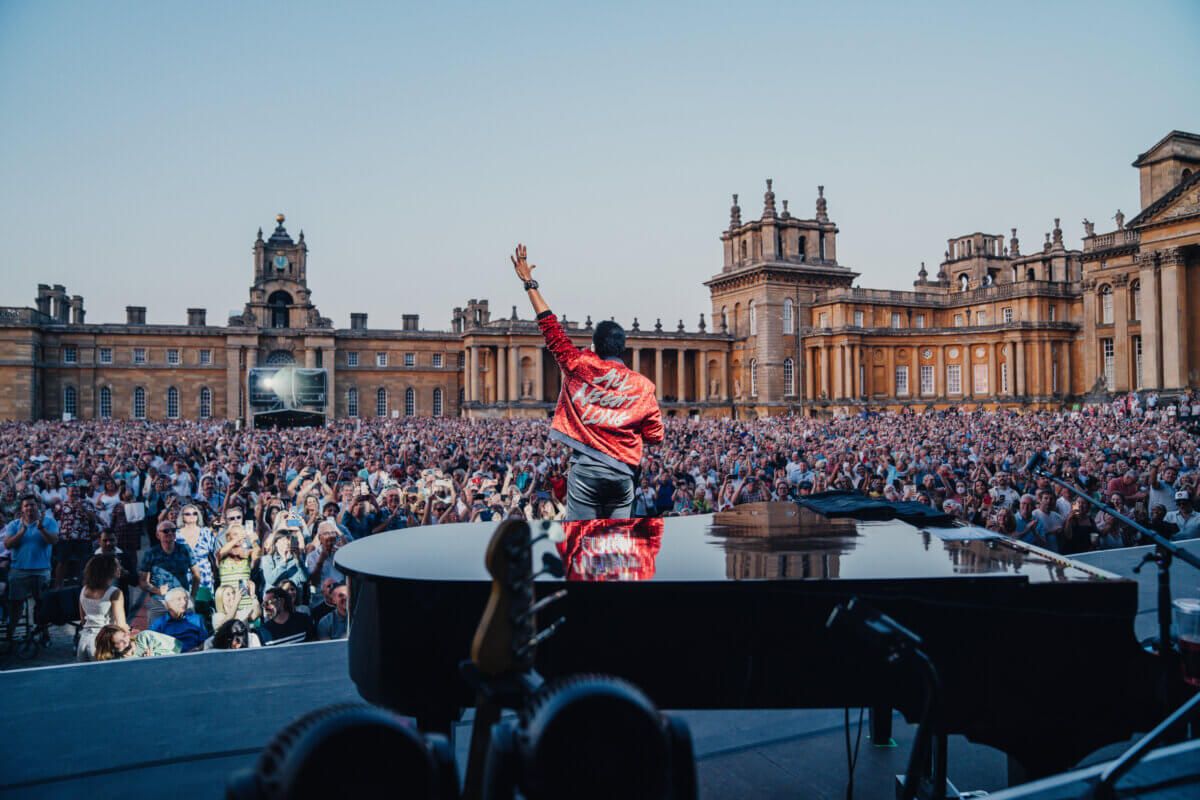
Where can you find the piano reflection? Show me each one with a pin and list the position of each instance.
(1037, 653)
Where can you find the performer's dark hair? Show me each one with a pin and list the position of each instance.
(609, 339)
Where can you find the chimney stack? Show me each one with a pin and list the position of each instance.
(135, 315)
(77, 310)
(197, 317)
(410, 322)
(358, 321)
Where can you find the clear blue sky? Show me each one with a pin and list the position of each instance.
(142, 144)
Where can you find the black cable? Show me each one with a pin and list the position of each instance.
(852, 759)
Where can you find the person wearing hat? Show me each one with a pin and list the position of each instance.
(1183, 517)
(165, 566)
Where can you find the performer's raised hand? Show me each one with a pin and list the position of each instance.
(523, 268)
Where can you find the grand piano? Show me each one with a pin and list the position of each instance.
(1037, 653)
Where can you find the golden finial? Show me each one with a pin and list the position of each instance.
(279, 217)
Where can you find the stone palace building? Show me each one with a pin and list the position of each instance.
(788, 331)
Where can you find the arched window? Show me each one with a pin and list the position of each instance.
(789, 376)
(724, 318)
(753, 314)
(1106, 305)
(205, 402)
(381, 407)
(279, 358)
(964, 283)
(352, 402)
(1031, 274)
(139, 403)
(172, 403)
(1135, 298)
(1016, 274)
(437, 402)
(410, 401)
(278, 304)
(787, 315)
(105, 402)
(70, 401)
(754, 377)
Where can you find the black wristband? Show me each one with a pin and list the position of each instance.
(530, 284)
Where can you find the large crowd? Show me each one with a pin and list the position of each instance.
(224, 538)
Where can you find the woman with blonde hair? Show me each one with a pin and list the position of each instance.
(236, 555)
(203, 543)
(235, 601)
(101, 603)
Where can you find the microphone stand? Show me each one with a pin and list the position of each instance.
(1164, 552)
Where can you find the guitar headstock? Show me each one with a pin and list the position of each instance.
(509, 622)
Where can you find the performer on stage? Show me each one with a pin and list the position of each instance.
(605, 411)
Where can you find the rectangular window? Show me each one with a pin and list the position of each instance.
(920, 320)
(352, 360)
(927, 387)
(958, 320)
(105, 355)
(437, 360)
(980, 382)
(105, 402)
(205, 403)
(858, 319)
(205, 357)
(981, 318)
(381, 359)
(1004, 377)
(172, 403)
(901, 381)
(462, 360)
(895, 319)
(1137, 361)
(139, 356)
(352, 403)
(1110, 370)
(823, 320)
(1007, 314)
(172, 356)
(70, 402)
(1106, 306)
(70, 354)
(953, 379)
(1053, 312)
(410, 359)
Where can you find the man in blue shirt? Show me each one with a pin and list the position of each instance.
(29, 538)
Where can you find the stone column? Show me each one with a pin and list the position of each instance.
(1174, 320)
(476, 385)
(1151, 324)
(1064, 368)
(637, 358)
(724, 377)
(702, 394)
(539, 388)
(994, 371)
(810, 374)
(852, 381)
(680, 378)
(468, 357)
(1121, 344)
(968, 378)
(501, 362)
(826, 370)
(1092, 360)
(939, 375)
(251, 363)
(1019, 349)
(658, 373)
(310, 358)
(232, 382)
(889, 370)
(837, 366)
(514, 371)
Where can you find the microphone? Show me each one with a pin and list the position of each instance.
(1034, 461)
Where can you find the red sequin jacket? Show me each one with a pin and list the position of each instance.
(604, 408)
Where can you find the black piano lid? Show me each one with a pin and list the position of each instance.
(756, 541)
